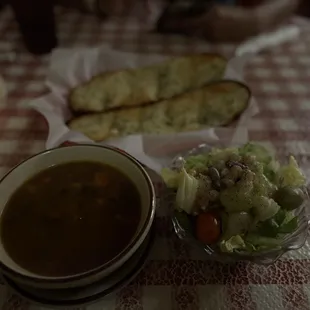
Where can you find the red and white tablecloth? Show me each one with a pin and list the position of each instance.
(175, 277)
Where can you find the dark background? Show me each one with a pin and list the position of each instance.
(303, 10)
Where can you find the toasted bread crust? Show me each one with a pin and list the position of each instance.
(216, 104)
(133, 87)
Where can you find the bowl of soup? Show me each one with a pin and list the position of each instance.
(71, 216)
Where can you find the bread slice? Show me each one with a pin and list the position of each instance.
(133, 87)
(216, 104)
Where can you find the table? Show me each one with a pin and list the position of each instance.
(176, 277)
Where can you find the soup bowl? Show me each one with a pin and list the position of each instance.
(113, 157)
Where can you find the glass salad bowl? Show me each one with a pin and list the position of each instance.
(184, 225)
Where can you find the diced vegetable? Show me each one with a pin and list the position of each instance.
(100, 179)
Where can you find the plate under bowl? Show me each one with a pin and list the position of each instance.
(89, 293)
(83, 152)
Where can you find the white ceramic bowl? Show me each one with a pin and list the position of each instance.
(102, 154)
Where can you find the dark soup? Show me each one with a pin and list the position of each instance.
(70, 218)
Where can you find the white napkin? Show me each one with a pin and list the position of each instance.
(267, 40)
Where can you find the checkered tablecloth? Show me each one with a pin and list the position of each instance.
(175, 277)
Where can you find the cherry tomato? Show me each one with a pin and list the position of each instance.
(208, 228)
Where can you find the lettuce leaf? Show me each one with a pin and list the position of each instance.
(170, 177)
(197, 162)
(280, 217)
(232, 244)
(289, 227)
(186, 193)
(263, 156)
(262, 242)
(291, 175)
(222, 154)
(264, 208)
(200, 162)
(260, 152)
(237, 224)
(283, 222)
(271, 170)
(269, 228)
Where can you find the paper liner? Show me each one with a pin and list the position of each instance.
(70, 67)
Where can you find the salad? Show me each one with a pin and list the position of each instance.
(238, 199)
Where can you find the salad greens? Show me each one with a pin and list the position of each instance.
(290, 175)
(187, 190)
(245, 190)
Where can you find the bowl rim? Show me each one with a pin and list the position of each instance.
(124, 252)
